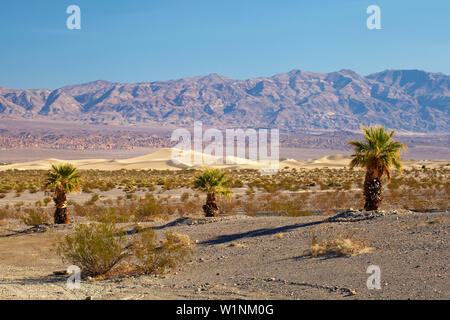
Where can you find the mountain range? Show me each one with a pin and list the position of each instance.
(296, 101)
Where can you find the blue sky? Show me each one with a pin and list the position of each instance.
(132, 41)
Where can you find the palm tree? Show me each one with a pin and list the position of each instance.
(213, 182)
(378, 153)
(64, 178)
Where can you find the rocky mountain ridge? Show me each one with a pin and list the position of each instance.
(296, 101)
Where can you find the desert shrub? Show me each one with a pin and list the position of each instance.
(106, 186)
(80, 210)
(130, 196)
(169, 184)
(4, 190)
(129, 188)
(286, 205)
(94, 198)
(95, 248)
(347, 185)
(108, 202)
(190, 207)
(33, 217)
(322, 201)
(236, 183)
(324, 186)
(86, 189)
(148, 208)
(250, 191)
(344, 244)
(46, 200)
(251, 207)
(157, 257)
(118, 214)
(6, 213)
(33, 189)
(18, 205)
(184, 196)
(19, 188)
(227, 205)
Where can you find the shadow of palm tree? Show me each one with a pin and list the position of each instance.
(258, 233)
(167, 225)
(37, 280)
(308, 256)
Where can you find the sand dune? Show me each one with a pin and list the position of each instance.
(175, 159)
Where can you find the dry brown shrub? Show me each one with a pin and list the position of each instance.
(33, 217)
(342, 244)
(158, 256)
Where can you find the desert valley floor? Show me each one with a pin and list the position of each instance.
(410, 248)
(258, 255)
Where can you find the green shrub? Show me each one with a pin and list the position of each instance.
(111, 214)
(129, 188)
(148, 208)
(95, 248)
(46, 200)
(292, 207)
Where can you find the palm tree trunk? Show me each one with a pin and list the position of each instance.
(61, 213)
(210, 208)
(372, 192)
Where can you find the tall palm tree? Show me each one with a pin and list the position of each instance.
(378, 153)
(213, 182)
(64, 178)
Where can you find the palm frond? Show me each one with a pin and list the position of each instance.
(212, 181)
(378, 150)
(63, 175)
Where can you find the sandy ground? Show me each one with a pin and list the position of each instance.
(174, 159)
(241, 257)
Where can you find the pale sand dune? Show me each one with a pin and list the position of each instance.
(175, 159)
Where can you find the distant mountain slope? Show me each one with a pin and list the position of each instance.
(412, 100)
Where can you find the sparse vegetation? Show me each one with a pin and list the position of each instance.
(148, 208)
(292, 192)
(33, 217)
(95, 247)
(158, 256)
(344, 244)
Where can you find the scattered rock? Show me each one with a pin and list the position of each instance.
(356, 215)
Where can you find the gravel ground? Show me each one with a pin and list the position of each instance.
(241, 257)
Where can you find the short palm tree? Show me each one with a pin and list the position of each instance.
(378, 153)
(213, 182)
(64, 178)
